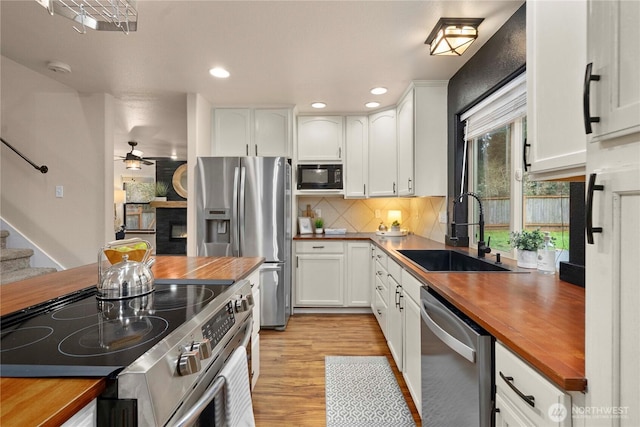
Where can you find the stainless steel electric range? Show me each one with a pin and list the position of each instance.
(159, 352)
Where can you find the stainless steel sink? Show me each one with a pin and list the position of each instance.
(447, 260)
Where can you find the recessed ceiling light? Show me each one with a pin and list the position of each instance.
(219, 72)
(318, 105)
(372, 104)
(378, 90)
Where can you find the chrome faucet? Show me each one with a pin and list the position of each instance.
(483, 248)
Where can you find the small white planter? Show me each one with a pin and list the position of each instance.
(527, 259)
(319, 230)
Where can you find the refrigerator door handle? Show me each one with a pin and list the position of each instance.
(234, 215)
(241, 217)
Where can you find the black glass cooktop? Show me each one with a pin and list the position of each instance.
(79, 335)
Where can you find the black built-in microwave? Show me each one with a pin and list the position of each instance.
(320, 177)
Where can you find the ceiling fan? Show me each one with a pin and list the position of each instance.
(133, 160)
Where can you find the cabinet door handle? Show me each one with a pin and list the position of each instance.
(256, 147)
(409, 185)
(246, 146)
(400, 302)
(397, 299)
(524, 156)
(586, 98)
(526, 397)
(394, 188)
(339, 152)
(589, 210)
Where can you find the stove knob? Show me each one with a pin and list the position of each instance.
(189, 363)
(241, 304)
(203, 348)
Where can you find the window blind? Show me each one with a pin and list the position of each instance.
(504, 106)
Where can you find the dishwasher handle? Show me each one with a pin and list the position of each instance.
(454, 344)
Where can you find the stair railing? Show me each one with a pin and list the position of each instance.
(42, 168)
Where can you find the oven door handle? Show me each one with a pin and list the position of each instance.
(453, 343)
(191, 417)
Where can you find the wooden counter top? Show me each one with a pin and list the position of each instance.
(52, 401)
(539, 317)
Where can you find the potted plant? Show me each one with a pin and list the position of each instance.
(527, 243)
(395, 226)
(319, 223)
(162, 189)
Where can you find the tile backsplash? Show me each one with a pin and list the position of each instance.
(420, 215)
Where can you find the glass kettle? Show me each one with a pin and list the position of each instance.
(130, 272)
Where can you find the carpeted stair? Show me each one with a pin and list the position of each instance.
(15, 264)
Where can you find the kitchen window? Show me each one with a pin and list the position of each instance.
(495, 135)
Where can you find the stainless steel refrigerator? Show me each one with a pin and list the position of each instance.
(244, 209)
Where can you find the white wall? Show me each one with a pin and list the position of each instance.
(70, 133)
(199, 128)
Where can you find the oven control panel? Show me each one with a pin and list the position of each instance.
(217, 327)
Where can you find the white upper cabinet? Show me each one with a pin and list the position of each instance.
(556, 55)
(615, 58)
(252, 132)
(231, 131)
(383, 154)
(272, 137)
(356, 156)
(320, 139)
(405, 122)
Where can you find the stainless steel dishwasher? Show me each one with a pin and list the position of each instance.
(457, 366)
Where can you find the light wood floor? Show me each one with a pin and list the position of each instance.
(290, 390)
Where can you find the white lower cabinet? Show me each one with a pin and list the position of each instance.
(412, 372)
(319, 273)
(333, 273)
(526, 398)
(396, 313)
(85, 417)
(254, 279)
(358, 274)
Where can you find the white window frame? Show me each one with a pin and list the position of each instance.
(506, 105)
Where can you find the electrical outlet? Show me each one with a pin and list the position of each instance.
(443, 218)
(318, 213)
(377, 213)
(59, 191)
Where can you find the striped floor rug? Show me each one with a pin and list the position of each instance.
(361, 391)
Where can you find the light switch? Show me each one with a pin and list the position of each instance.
(59, 191)
(443, 218)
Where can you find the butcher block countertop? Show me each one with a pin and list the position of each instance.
(51, 401)
(539, 317)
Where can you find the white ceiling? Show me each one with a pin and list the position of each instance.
(278, 53)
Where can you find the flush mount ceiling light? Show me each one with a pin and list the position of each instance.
(99, 15)
(378, 90)
(58, 67)
(452, 36)
(372, 104)
(318, 105)
(219, 72)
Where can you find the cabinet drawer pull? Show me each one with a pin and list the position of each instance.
(589, 214)
(526, 397)
(586, 98)
(318, 247)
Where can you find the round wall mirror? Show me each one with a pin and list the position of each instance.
(179, 180)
